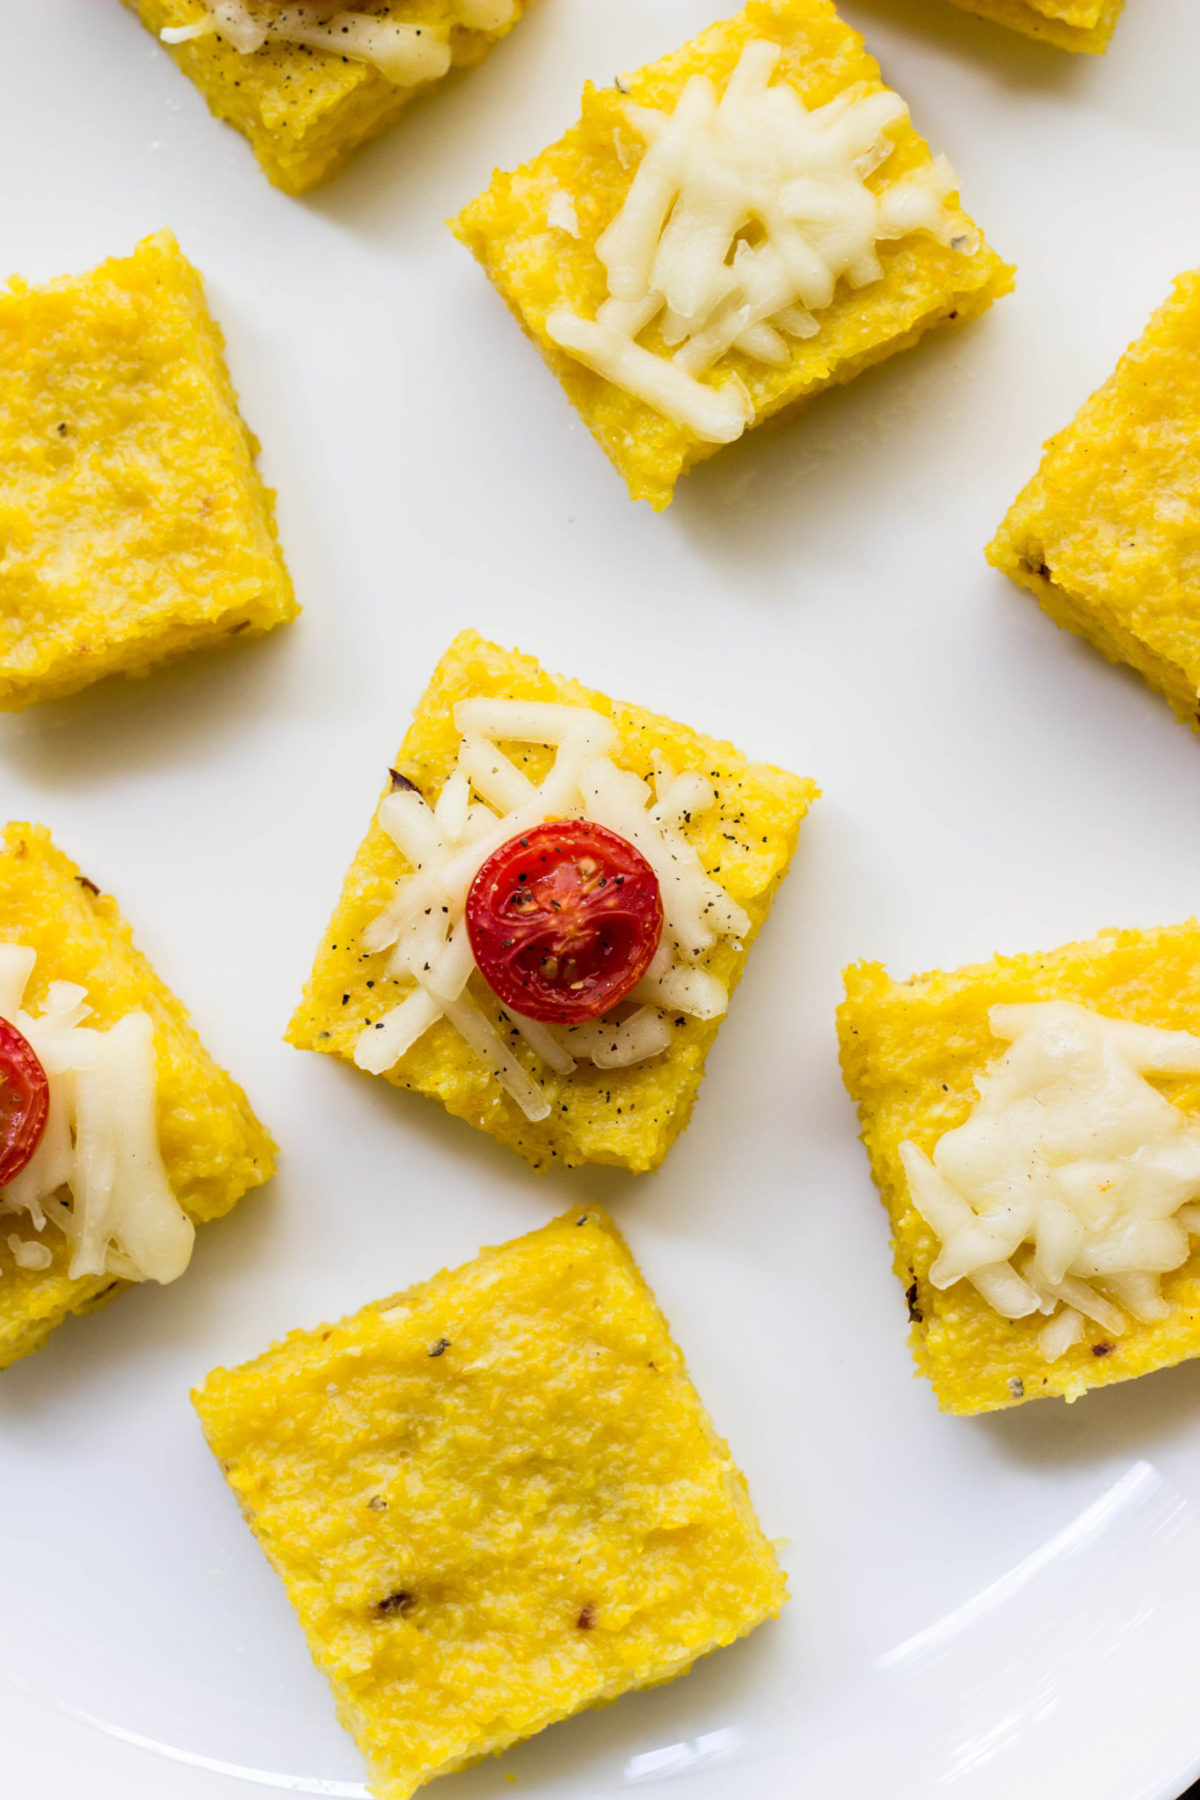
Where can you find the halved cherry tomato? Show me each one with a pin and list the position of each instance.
(24, 1101)
(564, 921)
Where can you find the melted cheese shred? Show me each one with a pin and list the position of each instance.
(743, 215)
(486, 801)
(97, 1173)
(405, 54)
(1072, 1187)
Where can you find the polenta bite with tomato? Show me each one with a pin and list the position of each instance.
(118, 1132)
(545, 921)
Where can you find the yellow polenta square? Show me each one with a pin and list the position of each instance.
(628, 1116)
(529, 248)
(911, 1051)
(1069, 24)
(493, 1501)
(134, 525)
(213, 1147)
(304, 109)
(1105, 533)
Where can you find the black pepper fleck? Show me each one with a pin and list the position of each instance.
(401, 1602)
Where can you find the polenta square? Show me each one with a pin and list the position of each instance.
(675, 319)
(1104, 534)
(1060, 1094)
(73, 981)
(598, 1056)
(134, 525)
(493, 1501)
(309, 91)
(1070, 24)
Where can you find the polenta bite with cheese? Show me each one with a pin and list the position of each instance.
(1080, 25)
(309, 84)
(726, 233)
(494, 1500)
(554, 901)
(1033, 1125)
(134, 524)
(118, 1132)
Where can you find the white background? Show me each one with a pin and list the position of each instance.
(991, 1607)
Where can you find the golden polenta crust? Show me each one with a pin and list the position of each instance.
(628, 1117)
(538, 266)
(911, 1051)
(493, 1501)
(134, 525)
(306, 111)
(1104, 535)
(1069, 24)
(213, 1146)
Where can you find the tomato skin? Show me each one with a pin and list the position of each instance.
(564, 921)
(24, 1101)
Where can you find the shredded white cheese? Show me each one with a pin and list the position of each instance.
(1073, 1183)
(616, 1045)
(405, 54)
(487, 801)
(562, 215)
(743, 215)
(28, 1255)
(97, 1173)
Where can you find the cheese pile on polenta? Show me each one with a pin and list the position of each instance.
(405, 54)
(1070, 1151)
(97, 1173)
(742, 217)
(486, 802)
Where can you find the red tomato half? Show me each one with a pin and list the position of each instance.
(24, 1101)
(564, 921)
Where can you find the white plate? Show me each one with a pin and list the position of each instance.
(992, 1608)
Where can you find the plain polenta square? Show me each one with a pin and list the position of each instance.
(541, 257)
(213, 1147)
(306, 110)
(134, 525)
(625, 1116)
(911, 1052)
(1105, 535)
(493, 1501)
(1069, 24)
